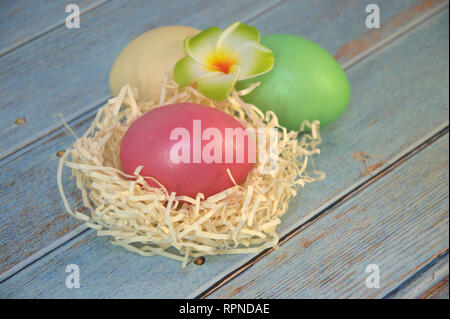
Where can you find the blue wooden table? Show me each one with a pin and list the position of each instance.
(382, 208)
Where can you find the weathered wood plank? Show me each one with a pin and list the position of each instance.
(432, 275)
(389, 29)
(33, 223)
(379, 102)
(66, 71)
(302, 18)
(399, 223)
(23, 21)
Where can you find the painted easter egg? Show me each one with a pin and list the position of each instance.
(188, 148)
(306, 83)
(144, 61)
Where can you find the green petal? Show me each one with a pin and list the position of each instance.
(188, 71)
(219, 85)
(254, 59)
(233, 37)
(202, 46)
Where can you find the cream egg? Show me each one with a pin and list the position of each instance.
(144, 61)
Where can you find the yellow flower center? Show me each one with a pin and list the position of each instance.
(222, 65)
(220, 62)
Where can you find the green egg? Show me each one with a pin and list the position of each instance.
(306, 83)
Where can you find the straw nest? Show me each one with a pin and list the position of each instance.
(150, 221)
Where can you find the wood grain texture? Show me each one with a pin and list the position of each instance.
(393, 23)
(66, 71)
(302, 18)
(425, 282)
(386, 118)
(399, 223)
(439, 291)
(56, 73)
(23, 21)
(38, 220)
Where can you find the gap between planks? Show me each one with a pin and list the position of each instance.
(436, 291)
(399, 33)
(294, 229)
(418, 284)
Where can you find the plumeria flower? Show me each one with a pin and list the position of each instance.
(217, 60)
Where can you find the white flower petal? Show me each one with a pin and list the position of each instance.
(201, 47)
(254, 59)
(232, 37)
(188, 71)
(219, 86)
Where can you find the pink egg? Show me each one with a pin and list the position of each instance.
(188, 148)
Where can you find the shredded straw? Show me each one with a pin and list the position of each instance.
(149, 220)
